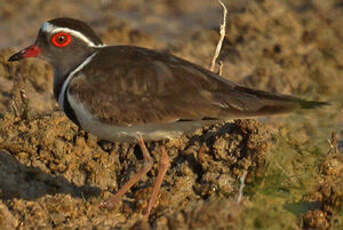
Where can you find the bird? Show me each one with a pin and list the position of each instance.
(125, 93)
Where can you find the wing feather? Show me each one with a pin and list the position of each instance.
(125, 85)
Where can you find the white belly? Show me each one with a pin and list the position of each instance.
(149, 132)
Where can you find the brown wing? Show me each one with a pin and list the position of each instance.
(126, 85)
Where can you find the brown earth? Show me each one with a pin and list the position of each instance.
(53, 175)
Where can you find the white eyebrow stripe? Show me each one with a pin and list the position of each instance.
(49, 28)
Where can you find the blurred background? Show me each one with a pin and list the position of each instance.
(291, 47)
(285, 46)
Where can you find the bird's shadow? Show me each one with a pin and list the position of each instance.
(31, 183)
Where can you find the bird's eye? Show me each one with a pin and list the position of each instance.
(61, 39)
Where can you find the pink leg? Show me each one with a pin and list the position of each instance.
(164, 165)
(147, 161)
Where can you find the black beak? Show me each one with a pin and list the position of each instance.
(31, 51)
(16, 57)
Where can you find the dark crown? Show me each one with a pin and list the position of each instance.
(79, 26)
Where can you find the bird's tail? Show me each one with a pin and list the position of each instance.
(311, 104)
(259, 103)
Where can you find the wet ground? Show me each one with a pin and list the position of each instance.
(53, 175)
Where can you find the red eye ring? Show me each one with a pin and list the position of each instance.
(61, 39)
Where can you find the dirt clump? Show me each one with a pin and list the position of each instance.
(53, 174)
(328, 193)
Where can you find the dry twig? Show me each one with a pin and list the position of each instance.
(333, 144)
(242, 185)
(221, 39)
(19, 103)
(220, 69)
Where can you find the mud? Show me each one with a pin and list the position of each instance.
(54, 175)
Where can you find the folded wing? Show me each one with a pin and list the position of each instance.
(139, 86)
